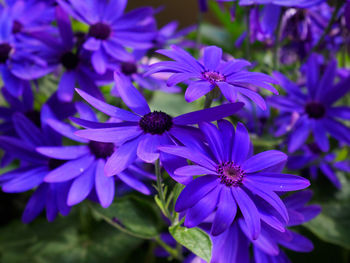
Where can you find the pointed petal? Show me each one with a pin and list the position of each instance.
(105, 188)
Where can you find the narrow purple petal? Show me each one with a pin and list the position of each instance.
(263, 160)
(214, 140)
(195, 191)
(134, 183)
(225, 213)
(198, 89)
(64, 152)
(212, 57)
(193, 170)
(65, 91)
(249, 211)
(108, 109)
(299, 135)
(69, 170)
(241, 145)
(27, 130)
(65, 129)
(105, 188)
(209, 115)
(229, 91)
(36, 204)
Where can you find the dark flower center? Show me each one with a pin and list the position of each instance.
(101, 149)
(128, 68)
(69, 60)
(156, 122)
(55, 163)
(34, 116)
(100, 31)
(230, 174)
(213, 76)
(16, 27)
(315, 110)
(5, 50)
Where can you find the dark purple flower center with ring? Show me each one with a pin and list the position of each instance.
(69, 60)
(16, 27)
(100, 31)
(230, 174)
(55, 163)
(315, 110)
(101, 149)
(156, 122)
(5, 50)
(128, 68)
(213, 76)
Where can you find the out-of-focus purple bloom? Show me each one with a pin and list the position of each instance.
(111, 31)
(230, 77)
(312, 158)
(142, 131)
(20, 60)
(92, 156)
(74, 60)
(311, 110)
(347, 14)
(34, 167)
(235, 180)
(234, 243)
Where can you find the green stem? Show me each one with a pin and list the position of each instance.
(339, 4)
(276, 47)
(248, 34)
(161, 191)
(208, 101)
(173, 252)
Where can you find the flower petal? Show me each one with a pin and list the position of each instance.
(263, 160)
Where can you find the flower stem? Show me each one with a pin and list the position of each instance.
(161, 193)
(173, 252)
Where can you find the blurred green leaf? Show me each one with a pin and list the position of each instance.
(62, 241)
(137, 216)
(194, 239)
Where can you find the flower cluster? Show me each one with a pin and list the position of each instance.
(81, 118)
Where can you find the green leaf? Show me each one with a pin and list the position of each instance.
(135, 215)
(194, 239)
(333, 224)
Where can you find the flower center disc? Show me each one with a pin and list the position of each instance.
(213, 76)
(70, 60)
(100, 31)
(5, 50)
(230, 174)
(101, 149)
(315, 110)
(156, 122)
(16, 27)
(128, 68)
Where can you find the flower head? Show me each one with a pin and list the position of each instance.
(111, 31)
(233, 180)
(230, 77)
(311, 110)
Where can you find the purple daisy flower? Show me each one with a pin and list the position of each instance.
(234, 180)
(34, 167)
(111, 31)
(139, 133)
(74, 60)
(92, 156)
(230, 77)
(313, 110)
(312, 158)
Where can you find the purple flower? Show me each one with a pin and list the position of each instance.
(67, 52)
(141, 132)
(34, 167)
(92, 157)
(111, 31)
(234, 180)
(312, 158)
(230, 77)
(312, 110)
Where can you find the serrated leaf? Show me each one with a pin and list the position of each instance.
(194, 239)
(134, 214)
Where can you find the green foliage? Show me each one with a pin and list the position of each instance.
(194, 239)
(133, 215)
